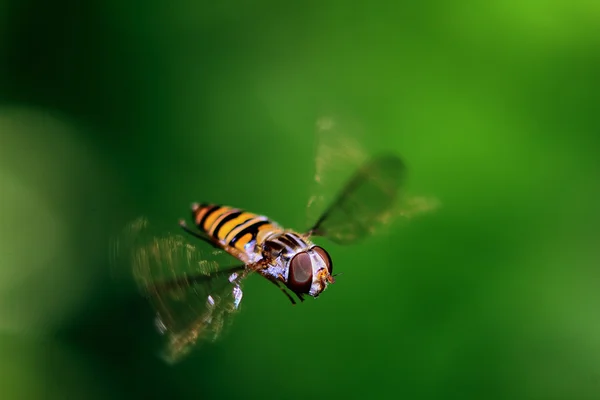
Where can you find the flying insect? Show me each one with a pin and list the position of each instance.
(194, 293)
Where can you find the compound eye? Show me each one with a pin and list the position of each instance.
(325, 256)
(300, 277)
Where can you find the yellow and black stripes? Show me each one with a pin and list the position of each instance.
(231, 226)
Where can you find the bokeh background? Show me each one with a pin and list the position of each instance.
(110, 110)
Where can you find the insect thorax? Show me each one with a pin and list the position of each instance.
(284, 245)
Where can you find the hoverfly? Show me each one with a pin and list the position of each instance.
(194, 294)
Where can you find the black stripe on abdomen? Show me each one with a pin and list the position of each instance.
(208, 212)
(224, 221)
(252, 229)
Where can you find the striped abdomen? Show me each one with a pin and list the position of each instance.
(231, 226)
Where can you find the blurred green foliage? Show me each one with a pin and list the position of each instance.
(110, 110)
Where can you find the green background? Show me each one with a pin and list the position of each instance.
(110, 110)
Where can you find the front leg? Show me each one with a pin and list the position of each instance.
(278, 284)
(277, 281)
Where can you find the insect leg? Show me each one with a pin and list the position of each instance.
(276, 283)
(261, 264)
(197, 235)
(195, 279)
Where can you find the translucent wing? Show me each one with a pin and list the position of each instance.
(353, 194)
(364, 202)
(193, 294)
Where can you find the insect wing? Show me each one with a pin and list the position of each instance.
(193, 295)
(353, 194)
(337, 155)
(364, 203)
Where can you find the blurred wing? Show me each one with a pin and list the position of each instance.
(193, 294)
(354, 195)
(337, 156)
(365, 202)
